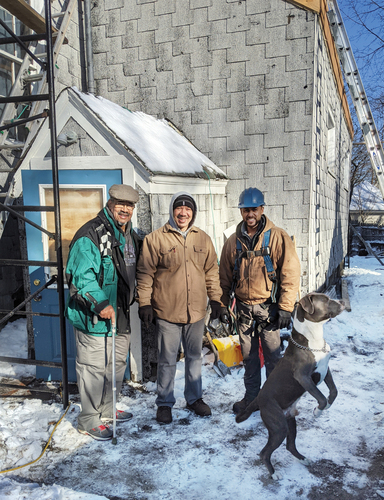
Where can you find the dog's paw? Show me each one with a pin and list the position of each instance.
(276, 476)
(306, 461)
(317, 412)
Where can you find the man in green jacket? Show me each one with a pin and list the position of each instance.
(100, 274)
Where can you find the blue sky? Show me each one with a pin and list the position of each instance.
(362, 42)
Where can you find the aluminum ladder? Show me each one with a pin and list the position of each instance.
(357, 92)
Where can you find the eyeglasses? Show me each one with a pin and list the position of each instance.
(121, 204)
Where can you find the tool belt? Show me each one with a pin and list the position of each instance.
(247, 319)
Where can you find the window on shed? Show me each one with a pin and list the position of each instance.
(331, 144)
(78, 205)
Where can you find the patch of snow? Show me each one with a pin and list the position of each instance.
(213, 458)
(155, 142)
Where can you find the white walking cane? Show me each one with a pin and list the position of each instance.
(114, 440)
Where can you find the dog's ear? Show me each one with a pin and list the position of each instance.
(307, 304)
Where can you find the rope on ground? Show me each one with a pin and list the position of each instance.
(46, 446)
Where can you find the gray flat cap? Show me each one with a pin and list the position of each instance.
(124, 193)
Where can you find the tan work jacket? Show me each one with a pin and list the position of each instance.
(254, 286)
(175, 274)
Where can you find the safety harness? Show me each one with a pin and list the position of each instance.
(266, 254)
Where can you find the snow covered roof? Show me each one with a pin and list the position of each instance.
(161, 148)
(367, 197)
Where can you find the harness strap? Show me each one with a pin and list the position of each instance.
(255, 253)
(268, 264)
(236, 269)
(249, 254)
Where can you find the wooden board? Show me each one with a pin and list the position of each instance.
(26, 14)
(314, 5)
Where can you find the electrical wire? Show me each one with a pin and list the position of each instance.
(44, 450)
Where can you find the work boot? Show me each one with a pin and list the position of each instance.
(200, 408)
(121, 416)
(101, 433)
(240, 406)
(164, 415)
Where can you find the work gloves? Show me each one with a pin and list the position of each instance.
(146, 315)
(218, 312)
(283, 319)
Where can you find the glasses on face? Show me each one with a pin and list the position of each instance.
(124, 204)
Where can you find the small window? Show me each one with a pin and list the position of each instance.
(78, 205)
(331, 144)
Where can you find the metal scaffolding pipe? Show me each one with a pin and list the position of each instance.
(56, 198)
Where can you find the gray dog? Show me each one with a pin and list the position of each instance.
(303, 366)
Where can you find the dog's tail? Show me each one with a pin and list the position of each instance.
(252, 407)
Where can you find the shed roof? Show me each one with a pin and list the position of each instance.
(157, 143)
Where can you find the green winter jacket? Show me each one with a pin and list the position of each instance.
(96, 276)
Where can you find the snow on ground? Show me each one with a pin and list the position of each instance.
(213, 458)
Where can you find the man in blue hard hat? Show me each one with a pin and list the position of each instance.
(260, 272)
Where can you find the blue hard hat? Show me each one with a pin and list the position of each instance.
(251, 197)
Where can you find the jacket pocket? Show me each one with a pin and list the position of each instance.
(108, 271)
(170, 257)
(268, 282)
(199, 255)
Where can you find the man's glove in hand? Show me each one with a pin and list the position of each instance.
(146, 315)
(218, 312)
(283, 319)
(224, 316)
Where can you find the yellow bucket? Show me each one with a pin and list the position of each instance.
(229, 350)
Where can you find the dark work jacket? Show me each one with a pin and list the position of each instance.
(97, 276)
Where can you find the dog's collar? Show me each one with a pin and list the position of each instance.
(324, 349)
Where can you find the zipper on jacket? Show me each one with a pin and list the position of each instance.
(92, 299)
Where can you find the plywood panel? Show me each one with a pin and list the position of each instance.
(77, 206)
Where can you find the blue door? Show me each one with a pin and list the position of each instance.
(91, 187)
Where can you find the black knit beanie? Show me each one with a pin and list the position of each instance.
(184, 201)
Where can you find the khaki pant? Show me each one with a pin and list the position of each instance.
(94, 375)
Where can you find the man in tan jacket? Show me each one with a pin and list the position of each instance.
(175, 274)
(259, 267)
